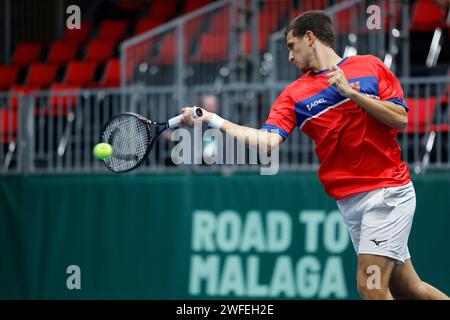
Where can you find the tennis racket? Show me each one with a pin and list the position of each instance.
(132, 136)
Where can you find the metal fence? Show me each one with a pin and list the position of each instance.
(49, 133)
(165, 69)
(239, 41)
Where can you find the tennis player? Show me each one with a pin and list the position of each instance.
(352, 108)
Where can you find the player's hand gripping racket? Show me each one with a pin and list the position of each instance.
(132, 136)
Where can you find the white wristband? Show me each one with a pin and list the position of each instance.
(216, 121)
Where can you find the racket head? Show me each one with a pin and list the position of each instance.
(131, 138)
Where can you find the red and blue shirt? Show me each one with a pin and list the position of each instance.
(357, 152)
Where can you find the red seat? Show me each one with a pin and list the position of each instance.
(427, 15)
(80, 73)
(192, 5)
(247, 40)
(213, 48)
(220, 24)
(308, 5)
(167, 52)
(63, 98)
(78, 35)
(162, 10)
(8, 125)
(268, 22)
(113, 30)
(420, 114)
(139, 53)
(294, 14)
(8, 76)
(147, 24)
(111, 75)
(41, 75)
(278, 8)
(26, 54)
(61, 52)
(421, 120)
(16, 91)
(344, 19)
(130, 5)
(100, 50)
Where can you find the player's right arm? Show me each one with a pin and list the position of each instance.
(280, 123)
(252, 137)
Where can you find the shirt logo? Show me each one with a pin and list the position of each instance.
(313, 104)
(378, 242)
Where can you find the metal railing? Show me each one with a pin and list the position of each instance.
(181, 53)
(53, 133)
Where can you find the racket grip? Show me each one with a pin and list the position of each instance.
(197, 112)
(175, 121)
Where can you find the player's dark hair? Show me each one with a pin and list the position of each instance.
(315, 21)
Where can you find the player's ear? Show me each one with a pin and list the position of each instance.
(310, 38)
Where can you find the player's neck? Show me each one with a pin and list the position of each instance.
(324, 57)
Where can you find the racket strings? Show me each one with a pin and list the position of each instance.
(130, 140)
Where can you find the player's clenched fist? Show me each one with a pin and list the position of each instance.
(189, 116)
(336, 78)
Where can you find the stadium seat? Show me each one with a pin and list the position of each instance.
(113, 30)
(167, 49)
(19, 90)
(63, 98)
(62, 52)
(111, 75)
(213, 48)
(80, 73)
(420, 114)
(278, 8)
(307, 5)
(247, 40)
(268, 22)
(146, 24)
(167, 52)
(8, 76)
(220, 24)
(26, 54)
(427, 15)
(192, 5)
(343, 22)
(130, 5)
(8, 125)
(422, 121)
(78, 36)
(41, 75)
(162, 10)
(100, 51)
(140, 53)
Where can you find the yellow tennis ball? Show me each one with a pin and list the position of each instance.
(102, 151)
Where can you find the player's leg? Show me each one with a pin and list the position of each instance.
(406, 284)
(374, 273)
(385, 228)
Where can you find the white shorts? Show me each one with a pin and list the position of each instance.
(380, 220)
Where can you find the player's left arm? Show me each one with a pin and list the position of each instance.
(387, 112)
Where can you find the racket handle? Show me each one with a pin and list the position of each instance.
(197, 112)
(175, 121)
